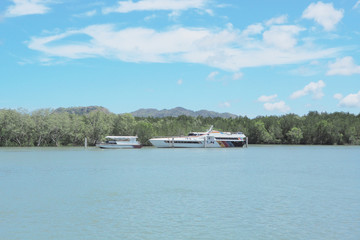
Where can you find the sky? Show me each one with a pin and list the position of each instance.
(248, 58)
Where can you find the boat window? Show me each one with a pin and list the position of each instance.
(123, 139)
(193, 142)
(227, 138)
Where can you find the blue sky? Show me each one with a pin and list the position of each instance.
(244, 57)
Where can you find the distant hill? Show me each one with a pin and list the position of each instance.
(178, 111)
(81, 110)
(149, 112)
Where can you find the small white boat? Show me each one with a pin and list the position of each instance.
(209, 139)
(116, 142)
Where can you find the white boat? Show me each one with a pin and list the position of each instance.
(115, 142)
(209, 139)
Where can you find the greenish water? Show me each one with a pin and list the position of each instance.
(262, 192)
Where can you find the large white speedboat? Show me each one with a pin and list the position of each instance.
(209, 139)
(114, 142)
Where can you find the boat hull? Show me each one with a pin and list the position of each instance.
(119, 142)
(176, 143)
(117, 146)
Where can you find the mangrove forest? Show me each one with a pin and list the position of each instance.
(46, 127)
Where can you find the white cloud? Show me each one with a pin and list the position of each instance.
(277, 106)
(271, 105)
(225, 104)
(277, 20)
(306, 71)
(338, 96)
(180, 81)
(210, 12)
(148, 18)
(315, 62)
(343, 66)
(253, 29)
(212, 76)
(270, 98)
(224, 49)
(86, 14)
(314, 88)
(154, 5)
(351, 100)
(237, 75)
(27, 7)
(357, 4)
(324, 14)
(282, 37)
(174, 15)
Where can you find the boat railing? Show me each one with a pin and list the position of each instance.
(181, 136)
(170, 137)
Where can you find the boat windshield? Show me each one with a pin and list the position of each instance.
(194, 134)
(122, 139)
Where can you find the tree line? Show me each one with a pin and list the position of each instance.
(45, 127)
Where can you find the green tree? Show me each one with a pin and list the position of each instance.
(294, 136)
(78, 130)
(98, 124)
(15, 128)
(260, 134)
(324, 133)
(144, 131)
(41, 125)
(124, 125)
(59, 127)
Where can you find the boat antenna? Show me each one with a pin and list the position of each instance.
(210, 129)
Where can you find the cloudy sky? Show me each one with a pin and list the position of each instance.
(245, 57)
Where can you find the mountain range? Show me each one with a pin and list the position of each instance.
(81, 110)
(149, 112)
(178, 111)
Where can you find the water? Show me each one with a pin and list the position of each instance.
(263, 192)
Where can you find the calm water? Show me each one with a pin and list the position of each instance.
(263, 192)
